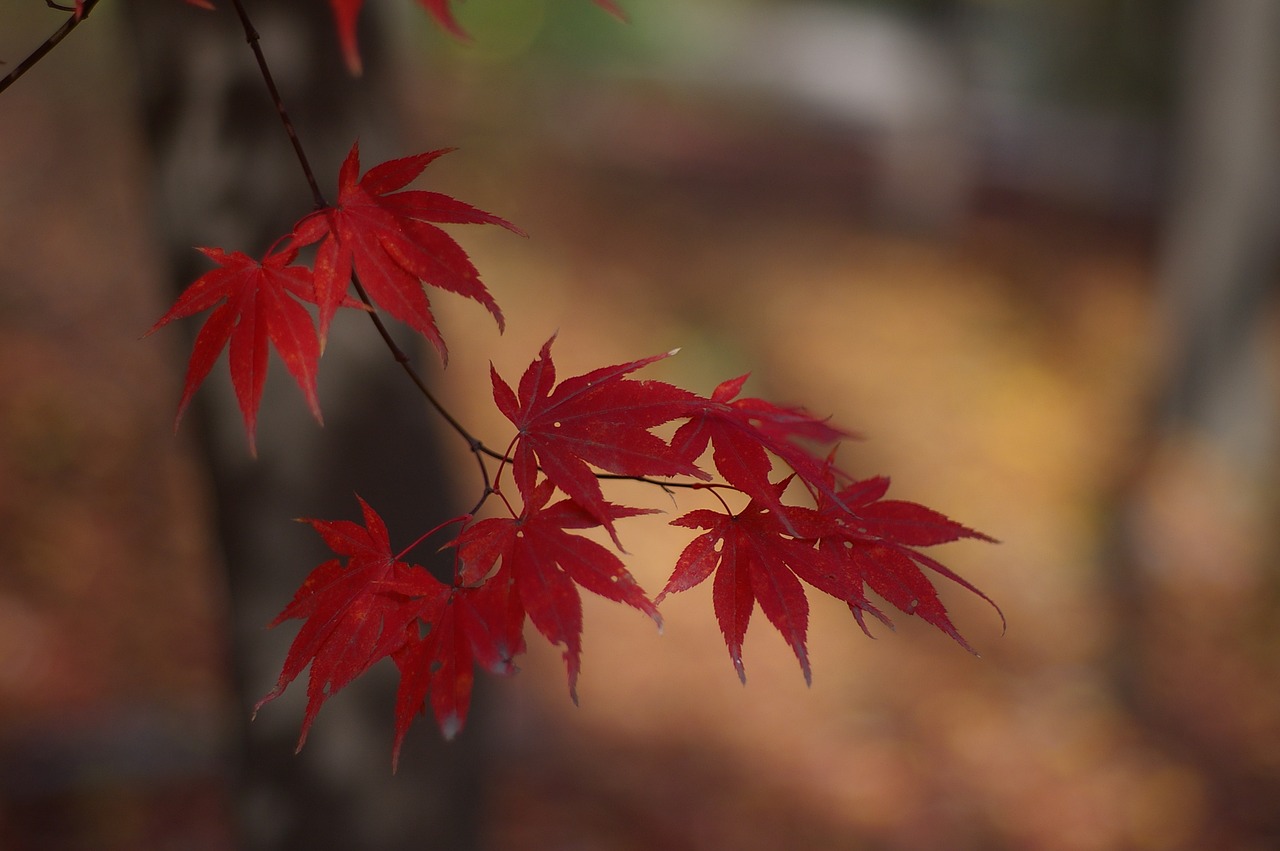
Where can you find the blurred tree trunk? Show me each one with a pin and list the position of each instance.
(227, 177)
(1194, 516)
(1220, 245)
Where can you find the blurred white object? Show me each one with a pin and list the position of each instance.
(941, 104)
(899, 85)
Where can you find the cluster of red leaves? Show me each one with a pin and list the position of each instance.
(386, 238)
(802, 522)
(377, 605)
(532, 562)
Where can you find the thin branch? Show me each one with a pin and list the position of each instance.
(401, 358)
(475, 445)
(668, 487)
(697, 486)
(49, 44)
(252, 37)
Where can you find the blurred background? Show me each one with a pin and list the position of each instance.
(1026, 248)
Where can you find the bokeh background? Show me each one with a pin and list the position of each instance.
(1026, 248)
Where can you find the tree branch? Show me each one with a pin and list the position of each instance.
(49, 44)
(476, 446)
(251, 36)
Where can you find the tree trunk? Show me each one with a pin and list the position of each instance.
(1193, 538)
(228, 178)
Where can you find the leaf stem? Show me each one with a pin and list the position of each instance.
(49, 44)
(465, 518)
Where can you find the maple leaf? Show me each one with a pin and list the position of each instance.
(904, 523)
(742, 433)
(755, 559)
(546, 563)
(465, 626)
(346, 12)
(601, 418)
(258, 302)
(841, 547)
(355, 613)
(873, 540)
(386, 238)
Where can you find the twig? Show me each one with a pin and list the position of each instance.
(253, 39)
(49, 44)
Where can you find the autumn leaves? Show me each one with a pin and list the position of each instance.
(784, 519)
(387, 239)
(531, 561)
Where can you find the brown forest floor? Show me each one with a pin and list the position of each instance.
(998, 372)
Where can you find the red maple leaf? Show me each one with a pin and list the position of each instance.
(547, 563)
(346, 12)
(465, 626)
(355, 613)
(386, 238)
(742, 434)
(873, 541)
(755, 559)
(847, 544)
(258, 303)
(601, 418)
